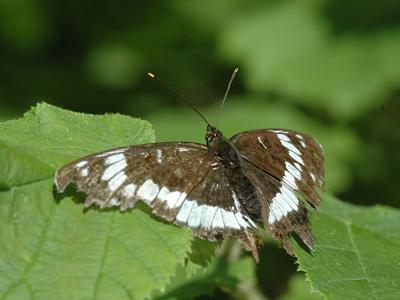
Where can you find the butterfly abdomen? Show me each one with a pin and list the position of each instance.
(245, 191)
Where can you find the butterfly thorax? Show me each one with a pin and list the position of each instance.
(221, 149)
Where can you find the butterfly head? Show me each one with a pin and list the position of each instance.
(219, 147)
(213, 137)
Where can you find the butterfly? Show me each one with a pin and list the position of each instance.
(225, 187)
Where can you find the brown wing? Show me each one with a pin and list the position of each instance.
(285, 167)
(282, 210)
(179, 181)
(290, 156)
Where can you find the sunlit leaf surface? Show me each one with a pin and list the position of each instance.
(356, 252)
(288, 48)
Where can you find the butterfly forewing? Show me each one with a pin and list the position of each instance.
(120, 177)
(287, 168)
(180, 182)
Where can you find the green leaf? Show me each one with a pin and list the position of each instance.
(288, 48)
(299, 289)
(356, 252)
(53, 250)
(202, 252)
(194, 280)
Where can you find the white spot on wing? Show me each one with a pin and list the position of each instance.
(238, 216)
(114, 158)
(278, 131)
(275, 210)
(172, 199)
(159, 156)
(236, 201)
(289, 178)
(184, 211)
(208, 216)
(218, 222)
(112, 170)
(84, 172)
(230, 220)
(163, 193)
(129, 190)
(249, 221)
(290, 147)
(312, 176)
(242, 222)
(181, 198)
(111, 152)
(113, 202)
(283, 137)
(296, 157)
(282, 204)
(195, 215)
(148, 191)
(215, 165)
(261, 142)
(290, 197)
(117, 181)
(293, 151)
(81, 164)
(293, 170)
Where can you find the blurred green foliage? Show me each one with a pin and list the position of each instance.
(328, 68)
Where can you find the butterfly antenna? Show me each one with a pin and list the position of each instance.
(226, 94)
(173, 92)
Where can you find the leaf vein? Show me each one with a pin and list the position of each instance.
(36, 253)
(348, 226)
(149, 269)
(158, 235)
(104, 254)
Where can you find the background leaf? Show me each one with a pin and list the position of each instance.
(299, 289)
(194, 281)
(51, 249)
(299, 56)
(356, 252)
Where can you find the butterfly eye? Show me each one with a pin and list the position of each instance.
(232, 154)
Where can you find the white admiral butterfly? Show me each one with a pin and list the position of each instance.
(224, 188)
